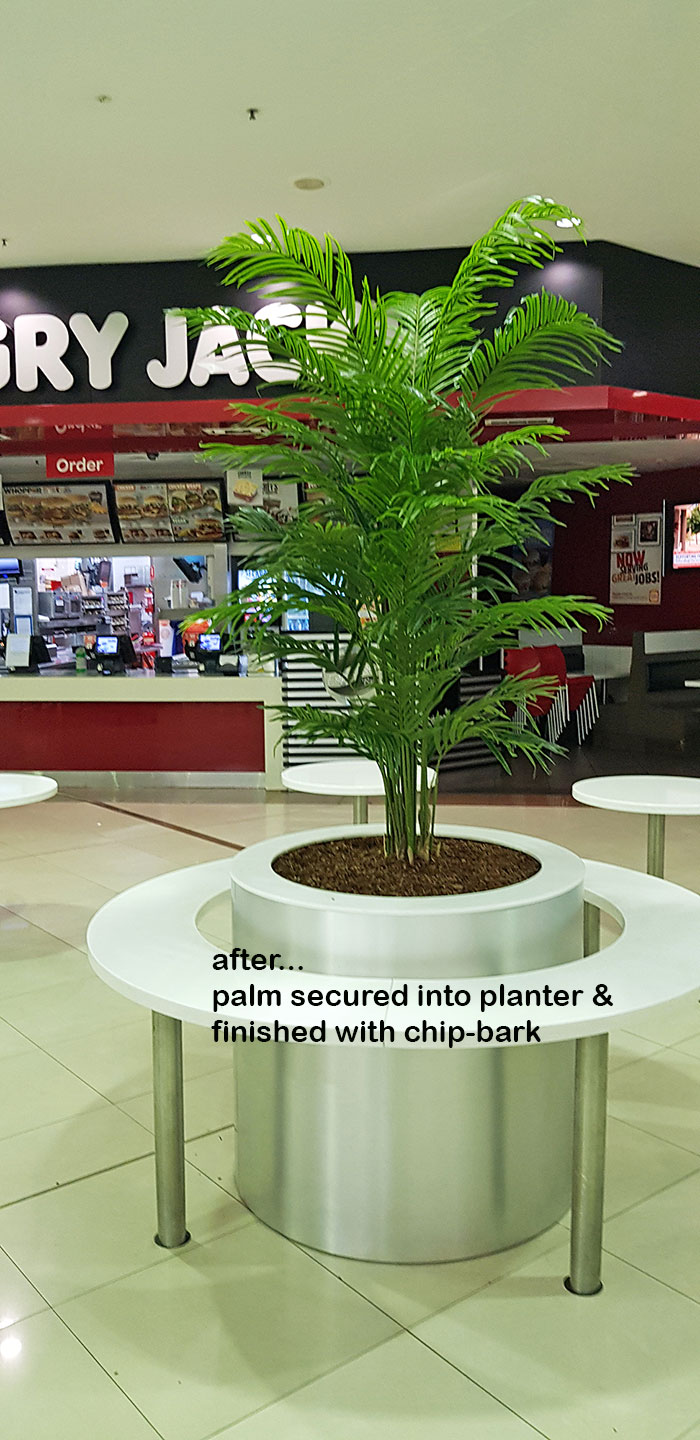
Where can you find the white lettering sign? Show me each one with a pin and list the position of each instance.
(99, 345)
(41, 342)
(82, 466)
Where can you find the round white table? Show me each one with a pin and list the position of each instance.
(145, 943)
(25, 789)
(655, 796)
(358, 778)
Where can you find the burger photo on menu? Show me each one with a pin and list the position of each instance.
(195, 511)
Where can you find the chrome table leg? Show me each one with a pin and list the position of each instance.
(656, 840)
(360, 809)
(588, 1178)
(169, 1125)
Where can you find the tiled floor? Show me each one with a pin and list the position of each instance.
(243, 1335)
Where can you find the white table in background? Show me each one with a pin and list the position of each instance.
(25, 789)
(145, 943)
(357, 778)
(655, 796)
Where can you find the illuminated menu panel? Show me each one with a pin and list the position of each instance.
(172, 510)
(57, 514)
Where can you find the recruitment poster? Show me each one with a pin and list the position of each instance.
(636, 559)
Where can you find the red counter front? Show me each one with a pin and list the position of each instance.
(46, 735)
(163, 724)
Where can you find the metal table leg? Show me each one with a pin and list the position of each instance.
(588, 1178)
(360, 809)
(656, 841)
(168, 1114)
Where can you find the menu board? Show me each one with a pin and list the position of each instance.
(195, 510)
(57, 514)
(143, 511)
(172, 510)
(280, 498)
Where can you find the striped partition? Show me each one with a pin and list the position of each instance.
(302, 684)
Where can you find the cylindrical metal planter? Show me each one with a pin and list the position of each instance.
(407, 1155)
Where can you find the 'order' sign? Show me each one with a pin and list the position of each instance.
(76, 464)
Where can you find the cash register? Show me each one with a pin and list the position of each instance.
(207, 653)
(113, 654)
(210, 659)
(26, 653)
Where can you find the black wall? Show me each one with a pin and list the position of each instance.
(651, 304)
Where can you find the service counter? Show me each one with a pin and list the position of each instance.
(197, 729)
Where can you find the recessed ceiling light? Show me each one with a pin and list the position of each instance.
(569, 224)
(309, 182)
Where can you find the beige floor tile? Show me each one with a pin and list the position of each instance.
(122, 1070)
(30, 958)
(209, 1104)
(690, 1047)
(638, 1165)
(624, 1048)
(254, 1316)
(215, 1156)
(622, 1364)
(118, 1069)
(112, 864)
(660, 1236)
(12, 1042)
(47, 896)
(53, 1390)
(100, 1229)
(177, 849)
(409, 1293)
(398, 1391)
(74, 1007)
(660, 1095)
(68, 1150)
(18, 1299)
(39, 829)
(35, 1090)
(669, 1024)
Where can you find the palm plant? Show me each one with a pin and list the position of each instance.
(405, 531)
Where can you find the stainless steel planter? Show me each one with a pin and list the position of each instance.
(400, 1155)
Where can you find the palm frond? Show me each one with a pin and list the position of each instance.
(544, 343)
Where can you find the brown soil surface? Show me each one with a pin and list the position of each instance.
(358, 866)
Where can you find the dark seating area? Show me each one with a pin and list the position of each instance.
(660, 709)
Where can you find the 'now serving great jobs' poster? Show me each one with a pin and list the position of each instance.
(636, 557)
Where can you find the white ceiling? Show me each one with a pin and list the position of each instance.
(424, 121)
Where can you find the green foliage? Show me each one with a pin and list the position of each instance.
(406, 534)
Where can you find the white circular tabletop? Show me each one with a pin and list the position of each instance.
(25, 789)
(337, 777)
(145, 943)
(642, 794)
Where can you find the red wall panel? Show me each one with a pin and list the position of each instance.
(113, 735)
(582, 556)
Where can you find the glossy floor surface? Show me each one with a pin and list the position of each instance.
(243, 1334)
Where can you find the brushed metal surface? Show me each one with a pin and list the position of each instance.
(535, 923)
(400, 1155)
(407, 1157)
